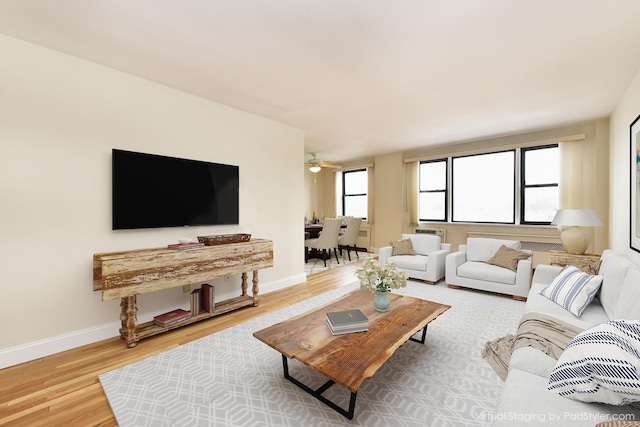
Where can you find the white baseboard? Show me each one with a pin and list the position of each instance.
(37, 349)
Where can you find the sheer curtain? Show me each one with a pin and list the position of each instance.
(412, 189)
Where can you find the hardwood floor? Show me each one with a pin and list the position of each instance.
(63, 389)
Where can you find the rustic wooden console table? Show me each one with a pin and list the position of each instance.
(129, 273)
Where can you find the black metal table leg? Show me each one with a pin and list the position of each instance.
(424, 336)
(318, 392)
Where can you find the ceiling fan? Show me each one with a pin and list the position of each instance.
(315, 164)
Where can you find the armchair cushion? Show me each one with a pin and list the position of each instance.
(483, 271)
(507, 258)
(402, 247)
(411, 262)
(424, 244)
(573, 289)
(482, 249)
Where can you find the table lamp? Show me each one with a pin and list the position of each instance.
(574, 239)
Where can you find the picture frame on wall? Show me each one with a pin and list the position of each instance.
(634, 215)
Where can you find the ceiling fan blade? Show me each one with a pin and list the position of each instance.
(327, 165)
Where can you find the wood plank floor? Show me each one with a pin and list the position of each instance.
(63, 389)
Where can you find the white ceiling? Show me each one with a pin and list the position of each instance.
(362, 77)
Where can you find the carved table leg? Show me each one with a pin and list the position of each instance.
(255, 288)
(244, 284)
(129, 320)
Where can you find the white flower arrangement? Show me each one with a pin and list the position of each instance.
(380, 278)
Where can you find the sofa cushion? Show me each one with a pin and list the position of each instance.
(424, 244)
(487, 272)
(532, 360)
(410, 262)
(481, 249)
(573, 289)
(613, 270)
(527, 402)
(628, 307)
(601, 364)
(402, 247)
(507, 258)
(592, 315)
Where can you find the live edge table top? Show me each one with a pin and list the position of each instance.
(350, 359)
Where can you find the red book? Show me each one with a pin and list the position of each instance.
(208, 298)
(172, 317)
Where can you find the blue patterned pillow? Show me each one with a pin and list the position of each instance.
(601, 364)
(573, 289)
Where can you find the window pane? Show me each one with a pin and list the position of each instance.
(432, 206)
(483, 188)
(433, 176)
(355, 206)
(355, 182)
(542, 166)
(541, 204)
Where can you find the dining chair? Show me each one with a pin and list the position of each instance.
(327, 240)
(350, 237)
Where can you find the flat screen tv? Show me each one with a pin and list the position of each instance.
(152, 191)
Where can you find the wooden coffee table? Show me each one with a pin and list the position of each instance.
(349, 359)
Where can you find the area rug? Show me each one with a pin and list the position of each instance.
(231, 379)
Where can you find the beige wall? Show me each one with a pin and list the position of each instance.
(585, 185)
(59, 119)
(626, 111)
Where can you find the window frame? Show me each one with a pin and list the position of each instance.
(344, 191)
(523, 186)
(445, 191)
(515, 185)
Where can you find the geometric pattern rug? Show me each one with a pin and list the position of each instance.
(230, 378)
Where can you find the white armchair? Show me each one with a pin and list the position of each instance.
(428, 261)
(476, 266)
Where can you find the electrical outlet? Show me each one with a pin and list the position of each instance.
(186, 288)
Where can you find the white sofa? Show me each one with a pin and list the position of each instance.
(468, 268)
(428, 262)
(525, 398)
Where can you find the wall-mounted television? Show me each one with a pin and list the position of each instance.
(153, 191)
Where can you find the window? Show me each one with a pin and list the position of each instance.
(351, 188)
(432, 203)
(483, 187)
(540, 196)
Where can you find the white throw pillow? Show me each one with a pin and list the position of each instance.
(628, 307)
(601, 364)
(573, 289)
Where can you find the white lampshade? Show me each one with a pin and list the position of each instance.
(315, 169)
(574, 239)
(576, 217)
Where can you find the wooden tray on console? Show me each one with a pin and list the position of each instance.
(223, 239)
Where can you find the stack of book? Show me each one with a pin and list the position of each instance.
(171, 318)
(348, 321)
(202, 300)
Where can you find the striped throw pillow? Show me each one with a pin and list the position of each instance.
(573, 289)
(601, 364)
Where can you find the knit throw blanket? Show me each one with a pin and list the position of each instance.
(537, 330)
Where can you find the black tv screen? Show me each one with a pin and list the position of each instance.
(152, 191)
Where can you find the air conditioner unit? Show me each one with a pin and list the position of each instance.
(435, 231)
